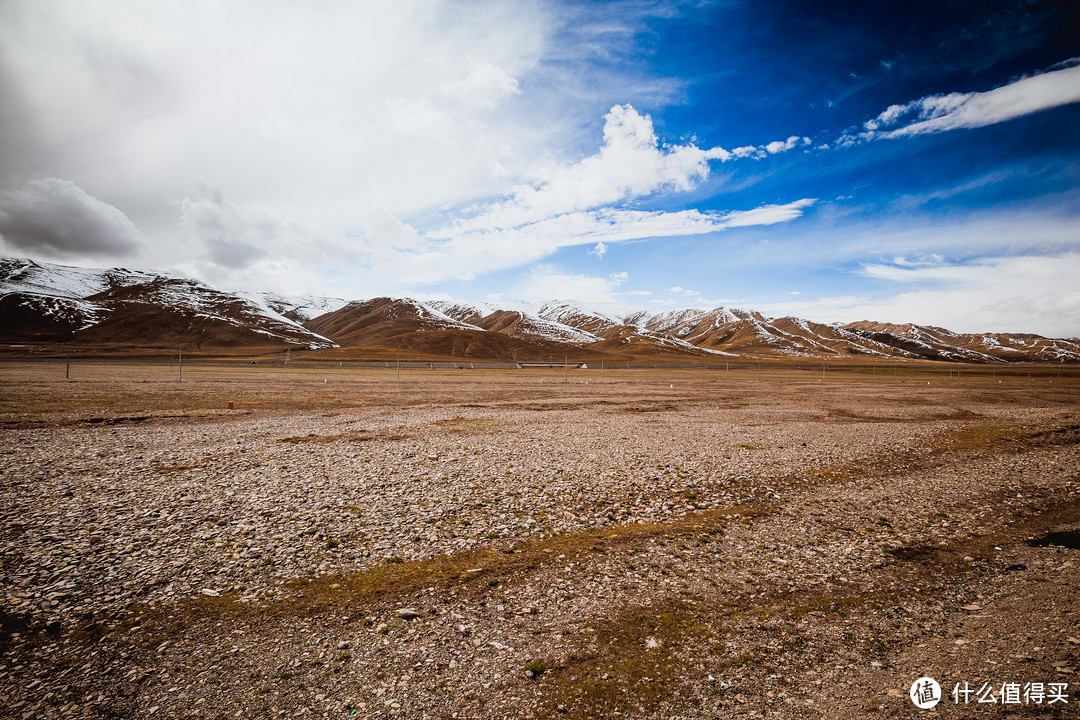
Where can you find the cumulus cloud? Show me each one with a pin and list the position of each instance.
(941, 113)
(584, 203)
(630, 164)
(57, 218)
(773, 148)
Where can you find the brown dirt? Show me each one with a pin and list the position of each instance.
(658, 544)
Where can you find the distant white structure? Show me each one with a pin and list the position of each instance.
(574, 366)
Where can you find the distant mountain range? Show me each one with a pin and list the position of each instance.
(46, 304)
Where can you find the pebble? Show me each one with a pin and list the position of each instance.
(230, 506)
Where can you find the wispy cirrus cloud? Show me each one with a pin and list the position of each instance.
(544, 282)
(953, 111)
(1025, 293)
(611, 225)
(467, 254)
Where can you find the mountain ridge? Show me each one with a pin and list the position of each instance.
(43, 302)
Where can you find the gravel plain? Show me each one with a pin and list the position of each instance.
(488, 545)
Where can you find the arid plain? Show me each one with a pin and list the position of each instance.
(653, 543)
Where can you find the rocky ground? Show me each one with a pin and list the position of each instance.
(505, 545)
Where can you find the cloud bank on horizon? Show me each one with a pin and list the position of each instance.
(841, 164)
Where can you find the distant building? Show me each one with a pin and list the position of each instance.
(572, 365)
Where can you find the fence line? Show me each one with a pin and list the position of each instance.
(603, 368)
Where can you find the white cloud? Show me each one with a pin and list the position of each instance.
(1029, 293)
(773, 148)
(767, 214)
(248, 246)
(545, 282)
(476, 252)
(485, 86)
(630, 164)
(59, 219)
(327, 107)
(600, 250)
(234, 236)
(684, 292)
(324, 125)
(940, 113)
(419, 118)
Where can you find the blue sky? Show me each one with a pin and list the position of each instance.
(903, 162)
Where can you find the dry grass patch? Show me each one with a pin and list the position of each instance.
(470, 426)
(394, 580)
(635, 662)
(642, 655)
(316, 439)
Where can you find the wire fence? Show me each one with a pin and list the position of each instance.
(180, 367)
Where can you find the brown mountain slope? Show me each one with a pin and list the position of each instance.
(937, 343)
(44, 303)
(172, 311)
(40, 318)
(412, 326)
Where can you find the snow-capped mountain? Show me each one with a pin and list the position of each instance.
(297, 308)
(54, 303)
